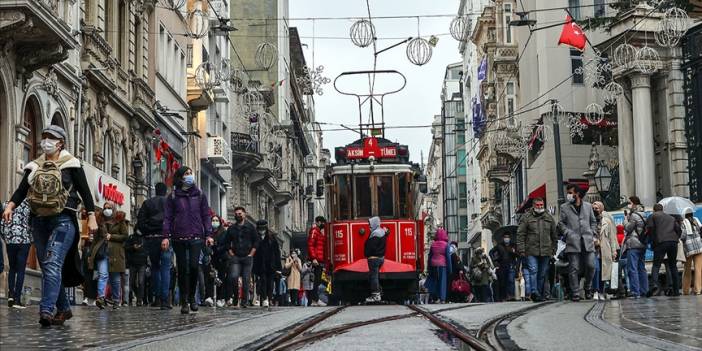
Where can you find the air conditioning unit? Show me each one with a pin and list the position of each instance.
(218, 150)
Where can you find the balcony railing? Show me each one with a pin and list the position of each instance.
(244, 143)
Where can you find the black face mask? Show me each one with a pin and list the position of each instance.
(239, 219)
(321, 225)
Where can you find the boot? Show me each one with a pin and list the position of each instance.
(156, 302)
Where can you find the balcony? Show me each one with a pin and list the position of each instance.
(218, 152)
(40, 35)
(245, 152)
(506, 54)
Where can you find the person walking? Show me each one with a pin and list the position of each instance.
(240, 243)
(186, 223)
(137, 259)
(150, 224)
(206, 273)
(504, 256)
(481, 276)
(219, 258)
(537, 239)
(693, 252)
(608, 247)
(266, 263)
(107, 254)
(374, 250)
(664, 231)
(294, 282)
(54, 220)
(634, 247)
(316, 242)
(439, 266)
(17, 236)
(307, 281)
(579, 226)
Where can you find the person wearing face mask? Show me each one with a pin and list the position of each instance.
(54, 220)
(107, 254)
(692, 246)
(295, 277)
(239, 245)
(634, 247)
(537, 239)
(316, 242)
(608, 247)
(219, 257)
(579, 227)
(267, 262)
(504, 256)
(186, 225)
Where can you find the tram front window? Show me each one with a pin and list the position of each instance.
(403, 191)
(364, 203)
(344, 191)
(386, 197)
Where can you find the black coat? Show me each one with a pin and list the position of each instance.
(150, 217)
(240, 239)
(267, 259)
(135, 251)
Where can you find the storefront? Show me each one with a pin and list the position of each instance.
(106, 188)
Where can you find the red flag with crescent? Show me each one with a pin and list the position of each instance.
(572, 35)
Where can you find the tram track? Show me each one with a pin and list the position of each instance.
(490, 336)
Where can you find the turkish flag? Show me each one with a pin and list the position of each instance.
(572, 35)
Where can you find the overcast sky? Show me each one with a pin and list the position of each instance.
(417, 103)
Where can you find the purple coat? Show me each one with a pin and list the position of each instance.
(186, 214)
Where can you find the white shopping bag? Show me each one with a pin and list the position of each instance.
(614, 283)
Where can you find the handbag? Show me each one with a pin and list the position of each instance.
(101, 252)
(614, 280)
(460, 285)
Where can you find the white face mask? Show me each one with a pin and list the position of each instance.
(539, 210)
(571, 198)
(107, 212)
(49, 146)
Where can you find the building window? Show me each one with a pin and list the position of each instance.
(88, 143)
(138, 51)
(510, 101)
(508, 19)
(461, 162)
(122, 35)
(189, 56)
(107, 154)
(574, 7)
(462, 195)
(576, 65)
(599, 8)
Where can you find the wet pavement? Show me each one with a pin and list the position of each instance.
(672, 319)
(127, 326)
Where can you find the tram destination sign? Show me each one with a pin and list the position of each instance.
(370, 148)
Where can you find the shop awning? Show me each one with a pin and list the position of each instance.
(538, 192)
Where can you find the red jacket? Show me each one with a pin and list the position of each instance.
(315, 244)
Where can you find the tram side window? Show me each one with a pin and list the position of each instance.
(364, 203)
(344, 192)
(386, 197)
(404, 191)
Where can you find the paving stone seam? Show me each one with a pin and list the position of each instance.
(595, 318)
(142, 342)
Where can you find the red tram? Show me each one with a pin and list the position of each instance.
(374, 177)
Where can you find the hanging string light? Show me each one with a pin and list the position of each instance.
(362, 33)
(624, 55)
(419, 50)
(460, 28)
(174, 5)
(313, 79)
(611, 92)
(206, 76)
(236, 81)
(198, 24)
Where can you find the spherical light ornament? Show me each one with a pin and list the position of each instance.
(624, 55)
(419, 51)
(646, 59)
(594, 114)
(612, 91)
(362, 33)
(266, 55)
(206, 76)
(173, 5)
(677, 21)
(236, 80)
(198, 24)
(460, 28)
(252, 102)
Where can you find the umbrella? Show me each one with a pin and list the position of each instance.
(675, 205)
(509, 229)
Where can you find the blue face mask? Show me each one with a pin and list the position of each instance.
(189, 180)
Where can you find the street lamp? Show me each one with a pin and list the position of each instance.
(603, 178)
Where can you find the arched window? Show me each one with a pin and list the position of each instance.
(107, 154)
(88, 144)
(31, 120)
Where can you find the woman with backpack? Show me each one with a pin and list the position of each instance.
(186, 224)
(107, 254)
(54, 220)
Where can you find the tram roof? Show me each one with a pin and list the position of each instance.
(368, 169)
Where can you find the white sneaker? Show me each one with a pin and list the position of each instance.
(220, 303)
(86, 302)
(209, 302)
(230, 302)
(373, 298)
(265, 303)
(19, 306)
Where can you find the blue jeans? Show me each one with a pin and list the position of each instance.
(538, 268)
(374, 265)
(17, 259)
(160, 267)
(505, 279)
(638, 277)
(114, 277)
(527, 277)
(53, 238)
(597, 280)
